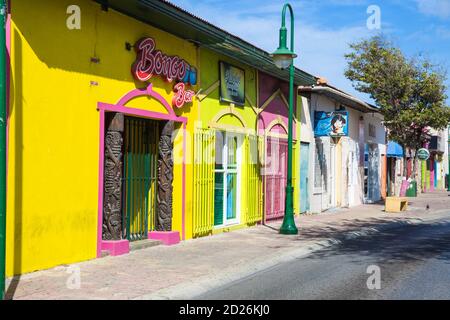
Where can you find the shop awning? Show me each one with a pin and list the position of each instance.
(172, 19)
(394, 150)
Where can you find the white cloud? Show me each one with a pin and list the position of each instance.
(321, 49)
(438, 8)
(443, 32)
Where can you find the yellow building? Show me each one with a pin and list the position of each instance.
(114, 128)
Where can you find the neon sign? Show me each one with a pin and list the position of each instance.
(182, 95)
(151, 62)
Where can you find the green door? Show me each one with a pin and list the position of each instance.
(139, 177)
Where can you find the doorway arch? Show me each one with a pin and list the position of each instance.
(122, 246)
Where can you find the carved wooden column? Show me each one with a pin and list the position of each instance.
(165, 178)
(112, 199)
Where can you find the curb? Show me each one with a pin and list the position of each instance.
(188, 290)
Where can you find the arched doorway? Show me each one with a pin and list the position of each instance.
(136, 171)
(275, 171)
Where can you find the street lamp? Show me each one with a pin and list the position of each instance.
(283, 59)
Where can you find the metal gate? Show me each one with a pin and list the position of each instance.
(275, 177)
(140, 172)
(203, 182)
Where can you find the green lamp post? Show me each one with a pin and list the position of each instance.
(283, 59)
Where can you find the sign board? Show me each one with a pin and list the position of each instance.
(151, 62)
(333, 124)
(232, 84)
(423, 154)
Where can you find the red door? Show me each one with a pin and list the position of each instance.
(275, 178)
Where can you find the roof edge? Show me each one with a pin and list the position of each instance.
(172, 11)
(351, 100)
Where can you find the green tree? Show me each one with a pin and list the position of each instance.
(409, 92)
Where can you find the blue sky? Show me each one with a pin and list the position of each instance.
(324, 28)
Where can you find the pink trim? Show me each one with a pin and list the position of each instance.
(116, 248)
(403, 188)
(100, 183)
(146, 92)
(279, 128)
(183, 219)
(167, 237)
(8, 86)
(119, 107)
(139, 112)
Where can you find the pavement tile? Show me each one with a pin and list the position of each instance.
(148, 270)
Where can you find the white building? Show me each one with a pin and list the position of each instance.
(438, 165)
(343, 170)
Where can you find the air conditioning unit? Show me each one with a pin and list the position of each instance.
(436, 144)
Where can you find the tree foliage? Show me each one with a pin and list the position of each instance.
(409, 92)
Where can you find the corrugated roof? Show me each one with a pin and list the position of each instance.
(175, 20)
(341, 97)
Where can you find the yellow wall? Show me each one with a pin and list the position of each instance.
(210, 106)
(222, 115)
(52, 213)
(297, 159)
(54, 125)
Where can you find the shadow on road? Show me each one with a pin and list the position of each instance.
(410, 243)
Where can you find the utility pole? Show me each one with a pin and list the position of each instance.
(3, 13)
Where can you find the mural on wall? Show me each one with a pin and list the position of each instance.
(334, 124)
(232, 84)
(165, 179)
(150, 62)
(112, 204)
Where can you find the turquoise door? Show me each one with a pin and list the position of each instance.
(227, 174)
(304, 173)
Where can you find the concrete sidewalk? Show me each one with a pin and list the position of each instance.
(195, 266)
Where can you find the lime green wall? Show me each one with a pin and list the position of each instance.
(211, 106)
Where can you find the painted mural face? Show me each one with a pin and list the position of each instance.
(338, 124)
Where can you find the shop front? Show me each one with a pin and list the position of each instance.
(227, 182)
(272, 127)
(121, 132)
(374, 158)
(438, 167)
(98, 134)
(345, 137)
(394, 170)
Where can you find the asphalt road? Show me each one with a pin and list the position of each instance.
(413, 261)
